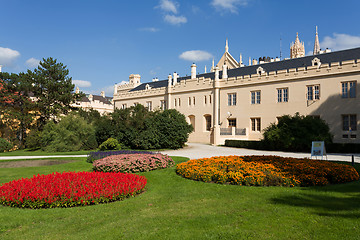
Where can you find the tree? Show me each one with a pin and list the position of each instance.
(295, 133)
(17, 109)
(53, 90)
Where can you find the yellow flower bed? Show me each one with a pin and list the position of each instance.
(266, 171)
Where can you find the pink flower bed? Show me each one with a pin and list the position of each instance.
(70, 189)
(133, 163)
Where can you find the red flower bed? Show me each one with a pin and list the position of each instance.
(70, 189)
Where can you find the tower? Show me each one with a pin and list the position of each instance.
(316, 43)
(297, 49)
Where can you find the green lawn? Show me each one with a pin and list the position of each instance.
(178, 208)
(40, 153)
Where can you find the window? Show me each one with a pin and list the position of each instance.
(207, 122)
(192, 120)
(189, 101)
(231, 99)
(194, 100)
(163, 104)
(313, 92)
(123, 106)
(232, 122)
(255, 97)
(210, 99)
(205, 100)
(136, 104)
(348, 89)
(175, 101)
(179, 102)
(283, 95)
(349, 122)
(149, 106)
(256, 124)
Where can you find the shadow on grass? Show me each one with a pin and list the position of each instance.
(342, 200)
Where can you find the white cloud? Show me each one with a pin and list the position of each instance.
(168, 6)
(109, 90)
(32, 62)
(149, 29)
(123, 82)
(81, 83)
(340, 41)
(195, 55)
(175, 20)
(8, 56)
(228, 5)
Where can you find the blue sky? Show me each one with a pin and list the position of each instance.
(103, 42)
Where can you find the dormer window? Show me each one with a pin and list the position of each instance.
(147, 87)
(316, 62)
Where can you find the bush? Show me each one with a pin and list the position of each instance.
(72, 133)
(133, 163)
(267, 171)
(296, 133)
(92, 156)
(258, 145)
(70, 189)
(33, 140)
(5, 145)
(110, 144)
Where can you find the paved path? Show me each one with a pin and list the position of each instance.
(197, 150)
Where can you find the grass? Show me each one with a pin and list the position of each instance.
(25, 152)
(177, 208)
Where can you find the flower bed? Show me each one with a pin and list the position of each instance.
(92, 156)
(133, 163)
(70, 189)
(266, 171)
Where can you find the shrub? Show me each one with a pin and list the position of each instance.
(295, 133)
(72, 133)
(33, 140)
(266, 171)
(92, 156)
(5, 145)
(133, 163)
(110, 144)
(70, 189)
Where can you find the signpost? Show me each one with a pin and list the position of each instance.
(318, 149)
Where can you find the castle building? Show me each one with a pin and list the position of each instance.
(234, 101)
(100, 103)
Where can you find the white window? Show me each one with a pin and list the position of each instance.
(256, 124)
(123, 106)
(348, 89)
(149, 106)
(163, 104)
(231, 99)
(255, 97)
(282, 94)
(313, 92)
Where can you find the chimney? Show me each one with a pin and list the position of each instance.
(0, 67)
(90, 98)
(224, 73)
(102, 94)
(175, 78)
(77, 90)
(216, 73)
(115, 89)
(193, 71)
(169, 80)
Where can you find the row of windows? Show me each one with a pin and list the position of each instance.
(313, 93)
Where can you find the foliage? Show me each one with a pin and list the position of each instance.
(53, 89)
(92, 156)
(267, 171)
(16, 107)
(72, 133)
(5, 145)
(295, 133)
(33, 140)
(110, 144)
(133, 163)
(138, 128)
(70, 189)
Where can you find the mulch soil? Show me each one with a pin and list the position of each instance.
(32, 163)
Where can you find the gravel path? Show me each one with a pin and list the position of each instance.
(197, 150)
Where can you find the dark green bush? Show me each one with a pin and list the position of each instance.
(110, 144)
(5, 145)
(72, 133)
(33, 140)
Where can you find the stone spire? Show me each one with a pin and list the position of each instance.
(227, 46)
(205, 69)
(316, 44)
(297, 49)
(213, 67)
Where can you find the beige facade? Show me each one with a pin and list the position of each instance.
(239, 103)
(100, 103)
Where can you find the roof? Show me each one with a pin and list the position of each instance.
(105, 100)
(338, 56)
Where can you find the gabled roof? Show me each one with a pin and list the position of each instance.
(338, 56)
